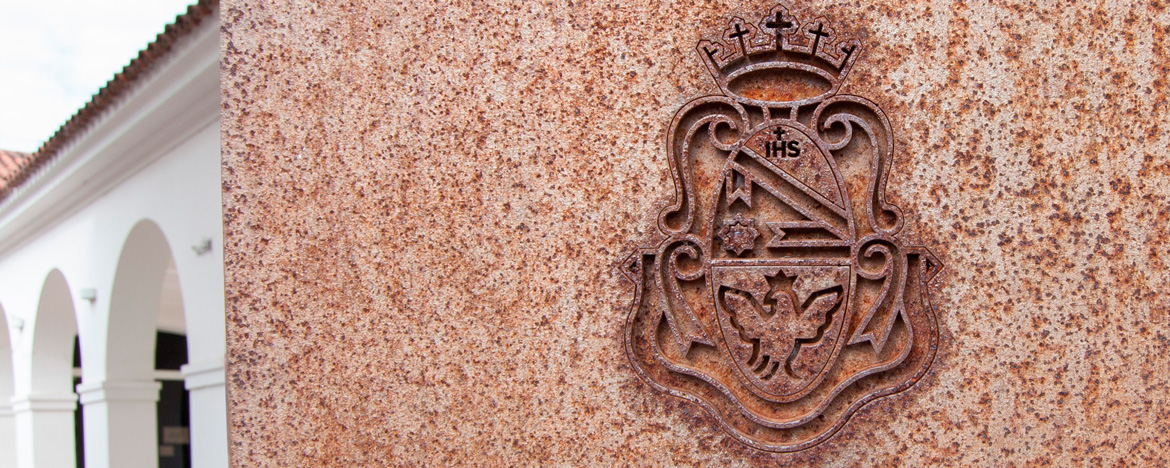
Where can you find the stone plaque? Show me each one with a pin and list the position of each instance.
(778, 294)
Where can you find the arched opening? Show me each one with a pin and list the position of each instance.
(134, 302)
(54, 333)
(78, 414)
(174, 410)
(7, 387)
(44, 411)
(6, 376)
(146, 348)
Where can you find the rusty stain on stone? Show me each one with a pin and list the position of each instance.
(783, 340)
(431, 282)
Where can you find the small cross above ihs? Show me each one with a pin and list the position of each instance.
(781, 148)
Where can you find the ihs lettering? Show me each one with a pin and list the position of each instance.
(780, 148)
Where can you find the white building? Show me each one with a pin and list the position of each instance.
(110, 234)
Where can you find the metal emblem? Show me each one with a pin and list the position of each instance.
(778, 294)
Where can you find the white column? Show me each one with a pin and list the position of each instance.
(121, 424)
(209, 426)
(44, 430)
(7, 435)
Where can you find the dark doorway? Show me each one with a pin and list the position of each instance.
(174, 410)
(78, 428)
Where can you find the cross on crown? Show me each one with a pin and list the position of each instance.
(778, 41)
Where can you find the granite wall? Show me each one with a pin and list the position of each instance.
(425, 205)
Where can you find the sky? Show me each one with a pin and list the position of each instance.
(56, 54)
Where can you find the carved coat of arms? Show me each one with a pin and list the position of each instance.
(779, 295)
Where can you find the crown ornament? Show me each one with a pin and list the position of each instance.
(779, 61)
(778, 291)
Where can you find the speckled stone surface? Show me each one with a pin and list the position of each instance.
(424, 205)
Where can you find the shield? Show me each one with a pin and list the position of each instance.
(780, 313)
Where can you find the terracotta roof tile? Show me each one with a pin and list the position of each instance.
(11, 164)
(15, 167)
